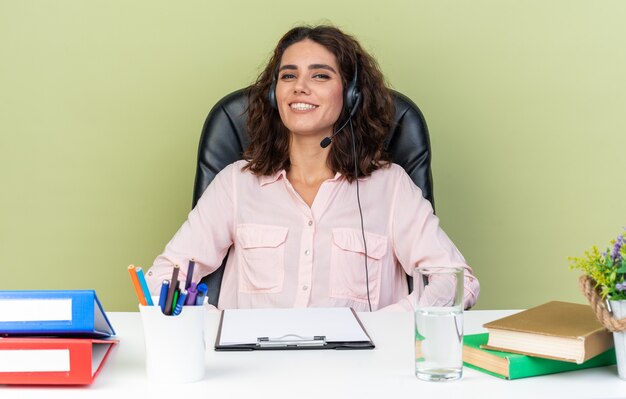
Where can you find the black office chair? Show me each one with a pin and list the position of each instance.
(224, 138)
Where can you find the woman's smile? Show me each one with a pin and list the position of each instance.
(302, 106)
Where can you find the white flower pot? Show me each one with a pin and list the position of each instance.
(619, 337)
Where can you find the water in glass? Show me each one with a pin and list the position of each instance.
(438, 343)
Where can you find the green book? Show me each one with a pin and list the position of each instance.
(512, 366)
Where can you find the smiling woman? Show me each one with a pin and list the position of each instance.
(315, 215)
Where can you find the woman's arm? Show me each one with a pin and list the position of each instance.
(205, 236)
(420, 241)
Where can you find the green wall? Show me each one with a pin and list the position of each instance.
(102, 103)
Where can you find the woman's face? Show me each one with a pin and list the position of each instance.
(309, 90)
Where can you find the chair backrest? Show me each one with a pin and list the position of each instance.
(224, 138)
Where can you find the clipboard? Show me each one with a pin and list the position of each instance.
(292, 328)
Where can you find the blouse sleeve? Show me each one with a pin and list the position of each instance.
(204, 237)
(420, 241)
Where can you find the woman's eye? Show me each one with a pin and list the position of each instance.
(287, 76)
(322, 76)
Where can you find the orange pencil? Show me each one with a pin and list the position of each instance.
(135, 280)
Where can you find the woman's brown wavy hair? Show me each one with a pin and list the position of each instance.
(268, 151)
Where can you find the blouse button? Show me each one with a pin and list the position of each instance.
(310, 223)
(307, 252)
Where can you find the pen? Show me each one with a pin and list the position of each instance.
(144, 286)
(191, 297)
(192, 263)
(135, 280)
(175, 299)
(170, 293)
(202, 291)
(165, 286)
(181, 302)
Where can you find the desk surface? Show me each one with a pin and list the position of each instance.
(385, 372)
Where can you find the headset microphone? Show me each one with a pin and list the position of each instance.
(327, 140)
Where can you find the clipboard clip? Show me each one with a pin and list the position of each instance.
(291, 340)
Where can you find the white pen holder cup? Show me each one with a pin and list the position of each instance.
(175, 346)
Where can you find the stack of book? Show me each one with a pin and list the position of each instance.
(549, 338)
(53, 337)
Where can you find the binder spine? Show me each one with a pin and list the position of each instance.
(78, 319)
(82, 310)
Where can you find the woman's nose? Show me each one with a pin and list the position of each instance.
(301, 85)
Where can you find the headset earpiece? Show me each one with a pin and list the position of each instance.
(353, 94)
(271, 94)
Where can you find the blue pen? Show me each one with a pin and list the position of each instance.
(144, 286)
(165, 287)
(202, 291)
(180, 303)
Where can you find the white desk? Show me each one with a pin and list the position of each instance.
(382, 373)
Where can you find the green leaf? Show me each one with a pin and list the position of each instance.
(622, 267)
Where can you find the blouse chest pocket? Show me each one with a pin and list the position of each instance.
(347, 265)
(261, 258)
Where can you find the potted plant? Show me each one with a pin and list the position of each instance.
(604, 284)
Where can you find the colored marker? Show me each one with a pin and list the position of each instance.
(181, 302)
(175, 300)
(192, 263)
(172, 289)
(144, 286)
(135, 280)
(191, 297)
(202, 291)
(165, 286)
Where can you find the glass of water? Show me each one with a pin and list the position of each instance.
(438, 322)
